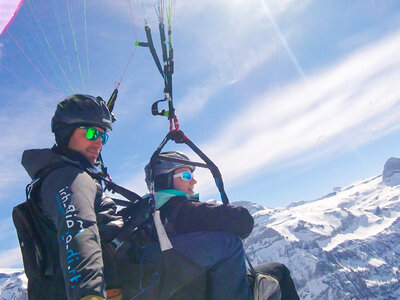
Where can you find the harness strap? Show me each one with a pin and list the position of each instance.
(32, 191)
(115, 188)
(251, 268)
(179, 137)
(152, 49)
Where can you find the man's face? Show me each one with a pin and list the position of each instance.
(186, 186)
(89, 149)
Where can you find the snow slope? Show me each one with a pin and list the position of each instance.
(13, 284)
(345, 245)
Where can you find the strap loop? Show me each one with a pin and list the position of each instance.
(179, 137)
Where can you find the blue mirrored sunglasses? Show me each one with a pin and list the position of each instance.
(184, 175)
(92, 134)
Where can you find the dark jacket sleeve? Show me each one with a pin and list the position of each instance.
(69, 197)
(190, 216)
(108, 222)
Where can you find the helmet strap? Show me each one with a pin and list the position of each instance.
(104, 172)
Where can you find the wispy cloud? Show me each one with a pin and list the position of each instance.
(282, 38)
(25, 123)
(11, 258)
(239, 47)
(350, 103)
(339, 107)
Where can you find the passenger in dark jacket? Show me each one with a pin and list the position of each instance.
(208, 234)
(71, 200)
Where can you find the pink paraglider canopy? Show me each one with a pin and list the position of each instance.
(8, 9)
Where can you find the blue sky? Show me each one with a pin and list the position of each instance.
(289, 98)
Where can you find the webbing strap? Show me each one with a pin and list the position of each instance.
(152, 48)
(32, 191)
(179, 137)
(115, 188)
(166, 72)
(251, 268)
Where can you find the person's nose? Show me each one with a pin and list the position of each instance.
(98, 142)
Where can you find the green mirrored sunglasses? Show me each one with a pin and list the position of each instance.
(92, 134)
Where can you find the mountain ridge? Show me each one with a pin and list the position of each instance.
(344, 245)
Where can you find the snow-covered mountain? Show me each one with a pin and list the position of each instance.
(13, 284)
(345, 245)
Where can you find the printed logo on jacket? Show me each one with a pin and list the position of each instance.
(74, 227)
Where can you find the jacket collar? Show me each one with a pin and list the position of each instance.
(163, 196)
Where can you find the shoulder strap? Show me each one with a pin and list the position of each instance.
(32, 193)
(36, 182)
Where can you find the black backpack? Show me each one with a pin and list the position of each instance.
(39, 257)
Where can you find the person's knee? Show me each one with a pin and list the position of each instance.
(275, 269)
(215, 243)
(228, 244)
(285, 270)
(229, 240)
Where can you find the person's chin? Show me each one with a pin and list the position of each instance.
(92, 157)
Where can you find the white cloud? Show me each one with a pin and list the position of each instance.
(11, 258)
(349, 104)
(25, 124)
(232, 52)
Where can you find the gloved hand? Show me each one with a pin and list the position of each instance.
(114, 294)
(90, 297)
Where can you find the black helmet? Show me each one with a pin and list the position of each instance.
(78, 110)
(82, 109)
(163, 170)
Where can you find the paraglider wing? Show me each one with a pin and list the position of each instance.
(8, 10)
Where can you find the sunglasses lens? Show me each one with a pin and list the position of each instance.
(187, 175)
(91, 134)
(104, 138)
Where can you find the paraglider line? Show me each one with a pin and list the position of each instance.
(127, 65)
(161, 11)
(133, 19)
(76, 47)
(57, 15)
(144, 12)
(87, 47)
(44, 51)
(20, 79)
(134, 50)
(37, 70)
(52, 52)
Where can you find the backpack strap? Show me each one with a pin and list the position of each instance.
(32, 194)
